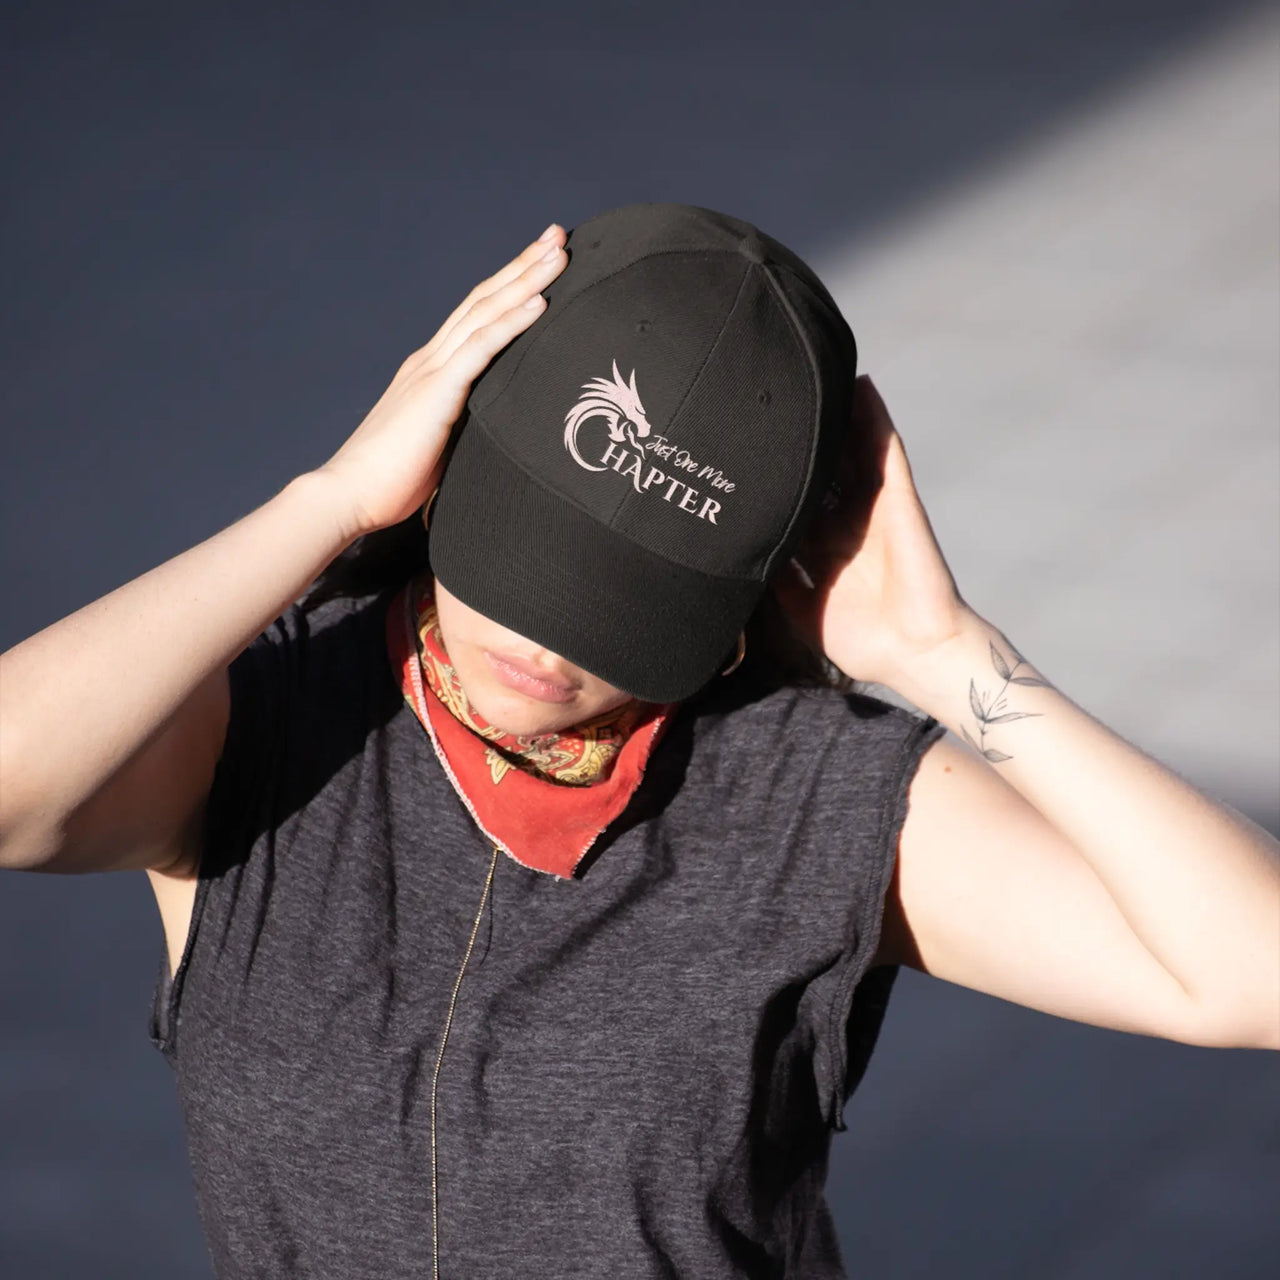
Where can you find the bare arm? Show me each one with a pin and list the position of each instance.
(1049, 861)
(1054, 864)
(112, 719)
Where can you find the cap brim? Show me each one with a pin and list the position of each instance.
(539, 565)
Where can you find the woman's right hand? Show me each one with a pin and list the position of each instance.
(392, 462)
(107, 764)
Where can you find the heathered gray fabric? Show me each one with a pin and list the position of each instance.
(645, 1062)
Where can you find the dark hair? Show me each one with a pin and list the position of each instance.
(776, 656)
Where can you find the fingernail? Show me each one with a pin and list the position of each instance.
(548, 233)
(552, 254)
(535, 302)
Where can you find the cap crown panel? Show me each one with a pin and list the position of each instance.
(833, 357)
(736, 453)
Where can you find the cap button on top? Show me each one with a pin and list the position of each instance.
(752, 248)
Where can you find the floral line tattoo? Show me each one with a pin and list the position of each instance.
(992, 711)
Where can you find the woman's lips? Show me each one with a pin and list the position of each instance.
(528, 679)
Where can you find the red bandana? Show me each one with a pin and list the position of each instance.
(542, 800)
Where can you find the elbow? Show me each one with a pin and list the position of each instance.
(27, 845)
(30, 826)
(1253, 1038)
(29, 833)
(1257, 1029)
(1267, 1036)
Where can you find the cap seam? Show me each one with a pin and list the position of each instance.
(822, 295)
(693, 382)
(798, 329)
(538, 331)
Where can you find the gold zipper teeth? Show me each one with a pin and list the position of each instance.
(435, 1079)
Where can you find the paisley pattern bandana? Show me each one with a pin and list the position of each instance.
(544, 799)
(579, 756)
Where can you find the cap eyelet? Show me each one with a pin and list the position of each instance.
(642, 326)
(764, 397)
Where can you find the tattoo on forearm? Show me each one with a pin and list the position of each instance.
(991, 709)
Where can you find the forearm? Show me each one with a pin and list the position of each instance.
(80, 697)
(1198, 883)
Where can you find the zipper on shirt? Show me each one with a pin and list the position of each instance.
(435, 1079)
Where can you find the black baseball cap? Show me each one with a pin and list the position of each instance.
(631, 469)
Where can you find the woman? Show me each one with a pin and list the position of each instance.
(534, 888)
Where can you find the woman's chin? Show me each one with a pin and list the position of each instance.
(525, 717)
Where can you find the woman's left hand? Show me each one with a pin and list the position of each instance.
(883, 598)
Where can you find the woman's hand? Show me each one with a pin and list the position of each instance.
(883, 598)
(392, 462)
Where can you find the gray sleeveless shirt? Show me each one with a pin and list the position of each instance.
(644, 1063)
